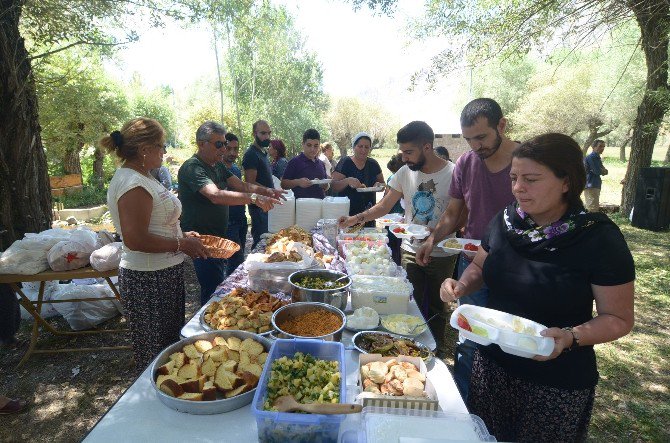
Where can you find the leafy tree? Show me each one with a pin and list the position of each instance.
(479, 30)
(273, 77)
(31, 30)
(78, 104)
(349, 116)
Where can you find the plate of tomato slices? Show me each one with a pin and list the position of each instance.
(467, 246)
(402, 230)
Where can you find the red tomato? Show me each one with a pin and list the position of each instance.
(470, 247)
(463, 323)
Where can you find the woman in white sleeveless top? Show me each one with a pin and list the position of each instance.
(146, 215)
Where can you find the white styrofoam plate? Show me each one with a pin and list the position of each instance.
(390, 219)
(324, 181)
(520, 344)
(461, 242)
(413, 231)
(371, 189)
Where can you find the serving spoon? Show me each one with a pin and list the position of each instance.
(288, 403)
(331, 283)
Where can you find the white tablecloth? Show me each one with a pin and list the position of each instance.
(139, 416)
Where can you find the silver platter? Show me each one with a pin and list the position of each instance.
(203, 407)
(357, 337)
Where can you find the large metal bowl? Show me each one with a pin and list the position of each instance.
(335, 297)
(299, 308)
(204, 407)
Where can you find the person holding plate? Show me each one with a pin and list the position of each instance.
(423, 182)
(306, 167)
(547, 259)
(358, 171)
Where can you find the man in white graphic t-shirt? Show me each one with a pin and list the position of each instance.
(424, 184)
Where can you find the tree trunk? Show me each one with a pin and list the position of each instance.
(594, 134)
(622, 149)
(25, 196)
(98, 171)
(667, 155)
(71, 162)
(652, 17)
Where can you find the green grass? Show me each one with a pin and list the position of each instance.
(633, 397)
(88, 196)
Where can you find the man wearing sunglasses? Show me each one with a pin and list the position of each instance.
(206, 189)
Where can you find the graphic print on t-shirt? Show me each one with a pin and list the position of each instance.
(423, 202)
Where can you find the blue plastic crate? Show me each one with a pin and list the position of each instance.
(296, 427)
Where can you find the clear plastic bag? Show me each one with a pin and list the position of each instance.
(87, 314)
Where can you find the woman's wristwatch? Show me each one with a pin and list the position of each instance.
(575, 339)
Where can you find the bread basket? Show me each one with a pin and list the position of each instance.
(219, 247)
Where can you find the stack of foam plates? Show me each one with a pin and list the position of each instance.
(335, 207)
(308, 212)
(282, 216)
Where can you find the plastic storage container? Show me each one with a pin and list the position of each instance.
(383, 425)
(291, 426)
(282, 216)
(308, 212)
(335, 207)
(386, 295)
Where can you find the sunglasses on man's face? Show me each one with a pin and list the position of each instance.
(219, 144)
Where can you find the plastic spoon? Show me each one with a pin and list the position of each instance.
(411, 331)
(288, 403)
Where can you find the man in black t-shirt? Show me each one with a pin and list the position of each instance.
(257, 171)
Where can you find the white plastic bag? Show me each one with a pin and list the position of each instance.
(106, 258)
(18, 260)
(104, 238)
(73, 253)
(31, 290)
(87, 314)
(45, 240)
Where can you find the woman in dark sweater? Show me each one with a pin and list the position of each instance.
(546, 259)
(358, 171)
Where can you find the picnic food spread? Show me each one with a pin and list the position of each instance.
(226, 368)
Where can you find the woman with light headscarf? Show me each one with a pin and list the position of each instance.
(358, 171)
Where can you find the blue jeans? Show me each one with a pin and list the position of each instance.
(237, 232)
(210, 273)
(259, 223)
(465, 349)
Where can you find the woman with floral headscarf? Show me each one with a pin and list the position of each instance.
(546, 259)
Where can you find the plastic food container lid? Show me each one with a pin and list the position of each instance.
(390, 424)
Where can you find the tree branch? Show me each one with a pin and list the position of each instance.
(80, 42)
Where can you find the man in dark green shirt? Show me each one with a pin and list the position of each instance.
(203, 191)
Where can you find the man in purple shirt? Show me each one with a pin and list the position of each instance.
(305, 167)
(481, 187)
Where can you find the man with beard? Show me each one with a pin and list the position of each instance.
(257, 170)
(481, 185)
(206, 190)
(424, 183)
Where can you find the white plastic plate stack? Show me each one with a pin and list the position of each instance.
(282, 216)
(335, 207)
(308, 212)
